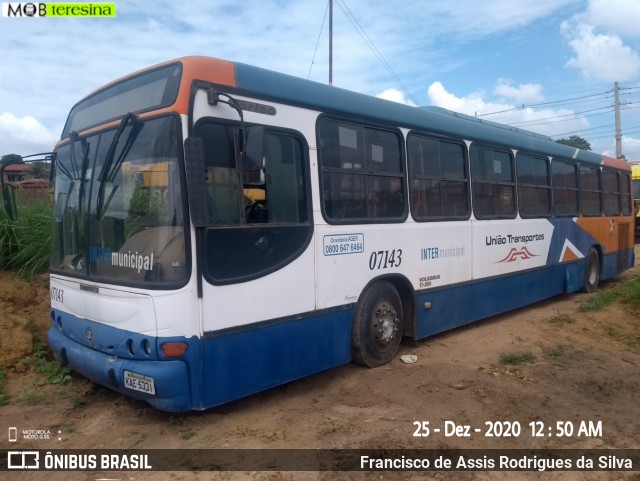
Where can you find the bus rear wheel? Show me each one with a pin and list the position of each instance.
(592, 271)
(377, 325)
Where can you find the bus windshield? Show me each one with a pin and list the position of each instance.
(118, 214)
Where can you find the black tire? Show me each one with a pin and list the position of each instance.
(591, 272)
(377, 325)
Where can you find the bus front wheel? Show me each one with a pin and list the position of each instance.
(377, 325)
(592, 271)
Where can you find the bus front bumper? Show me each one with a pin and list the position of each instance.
(166, 382)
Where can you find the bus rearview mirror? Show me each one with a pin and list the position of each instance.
(254, 148)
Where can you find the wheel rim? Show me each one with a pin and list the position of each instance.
(385, 325)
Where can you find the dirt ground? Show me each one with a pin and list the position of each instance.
(584, 368)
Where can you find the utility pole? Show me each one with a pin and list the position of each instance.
(330, 42)
(618, 128)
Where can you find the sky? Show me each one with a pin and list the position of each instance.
(548, 66)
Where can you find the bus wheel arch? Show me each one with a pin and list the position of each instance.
(377, 325)
(592, 270)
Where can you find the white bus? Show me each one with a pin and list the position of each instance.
(293, 227)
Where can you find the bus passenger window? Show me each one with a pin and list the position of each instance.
(362, 173)
(492, 183)
(534, 186)
(438, 179)
(610, 192)
(565, 188)
(590, 191)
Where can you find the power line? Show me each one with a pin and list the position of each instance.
(632, 128)
(551, 120)
(611, 136)
(631, 103)
(599, 132)
(552, 102)
(354, 21)
(318, 41)
(583, 130)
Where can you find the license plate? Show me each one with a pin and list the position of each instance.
(138, 382)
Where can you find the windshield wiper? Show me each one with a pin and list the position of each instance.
(78, 173)
(81, 174)
(111, 164)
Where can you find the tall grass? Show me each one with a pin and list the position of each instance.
(25, 243)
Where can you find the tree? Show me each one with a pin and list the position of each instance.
(15, 158)
(576, 141)
(38, 170)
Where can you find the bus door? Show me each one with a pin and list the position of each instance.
(254, 253)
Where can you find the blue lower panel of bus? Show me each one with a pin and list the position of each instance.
(613, 264)
(245, 362)
(215, 370)
(466, 303)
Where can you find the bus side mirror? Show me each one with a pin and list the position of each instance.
(254, 148)
(9, 201)
(196, 180)
(8, 196)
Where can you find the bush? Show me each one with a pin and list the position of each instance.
(25, 244)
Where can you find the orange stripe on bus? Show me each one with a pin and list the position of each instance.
(569, 255)
(616, 163)
(604, 229)
(216, 71)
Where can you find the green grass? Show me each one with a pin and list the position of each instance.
(4, 398)
(626, 292)
(25, 243)
(80, 401)
(67, 428)
(600, 300)
(632, 340)
(187, 434)
(631, 293)
(32, 395)
(517, 358)
(556, 352)
(562, 319)
(176, 420)
(53, 372)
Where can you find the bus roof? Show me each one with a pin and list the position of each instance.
(275, 86)
(278, 86)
